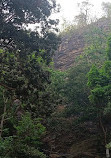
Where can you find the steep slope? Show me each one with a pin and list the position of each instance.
(74, 42)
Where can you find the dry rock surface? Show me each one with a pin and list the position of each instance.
(74, 42)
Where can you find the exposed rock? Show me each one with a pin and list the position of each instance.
(73, 44)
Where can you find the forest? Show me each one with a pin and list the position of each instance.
(52, 104)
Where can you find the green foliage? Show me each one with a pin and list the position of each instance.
(95, 37)
(108, 50)
(99, 81)
(14, 20)
(30, 130)
(26, 140)
(108, 146)
(24, 76)
(23, 94)
(27, 79)
(57, 86)
(107, 109)
(6, 146)
(78, 79)
(76, 86)
(93, 76)
(13, 17)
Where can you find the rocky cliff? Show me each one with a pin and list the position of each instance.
(74, 42)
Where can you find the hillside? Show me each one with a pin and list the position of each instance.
(76, 131)
(74, 42)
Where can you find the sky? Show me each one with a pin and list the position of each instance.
(69, 8)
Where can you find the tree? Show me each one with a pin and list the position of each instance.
(14, 21)
(108, 50)
(99, 81)
(26, 141)
(107, 9)
(57, 86)
(24, 76)
(15, 14)
(76, 89)
(23, 83)
(24, 51)
(83, 18)
(96, 37)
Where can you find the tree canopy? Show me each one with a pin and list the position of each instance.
(15, 17)
(25, 56)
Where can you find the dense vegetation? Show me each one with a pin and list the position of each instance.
(24, 76)
(40, 106)
(86, 114)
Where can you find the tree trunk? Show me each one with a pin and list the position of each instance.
(3, 116)
(107, 153)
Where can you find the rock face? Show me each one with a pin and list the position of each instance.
(73, 43)
(69, 141)
(68, 50)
